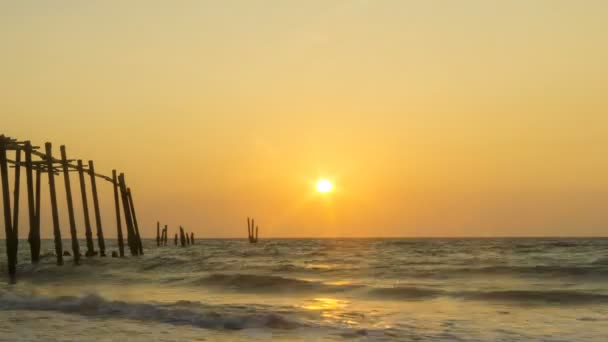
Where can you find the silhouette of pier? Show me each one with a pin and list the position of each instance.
(47, 164)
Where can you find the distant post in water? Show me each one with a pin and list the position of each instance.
(100, 239)
(68, 196)
(157, 234)
(121, 244)
(54, 211)
(192, 238)
(187, 239)
(176, 239)
(251, 231)
(182, 238)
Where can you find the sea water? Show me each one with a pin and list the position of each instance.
(315, 290)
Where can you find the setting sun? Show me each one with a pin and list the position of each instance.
(324, 185)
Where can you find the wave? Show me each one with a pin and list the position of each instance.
(179, 313)
(530, 296)
(268, 283)
(513, 296)
(405, 293)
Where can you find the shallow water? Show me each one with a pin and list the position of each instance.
(309, 290)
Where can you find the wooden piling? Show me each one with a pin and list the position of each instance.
(176, 239)
(16, 191)
(8, 224)
(54, 211)
(121, 244)
(157, 234)
(182, 238)
(34, 234)
(187, 239)
(127, 211)
(165, 232)
(137, 235)
(85, 209)
(192, 238)
(68, 196)
(100, 240)
(34, 238)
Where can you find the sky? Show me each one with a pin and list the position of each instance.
(432, 118)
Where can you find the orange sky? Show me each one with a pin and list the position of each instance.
(433, 118)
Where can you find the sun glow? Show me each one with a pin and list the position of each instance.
(324, 186)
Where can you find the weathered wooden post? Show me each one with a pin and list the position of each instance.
(139, 243)
(131, 239)
(100, 240)
(187, 239)
(176, 239)
(34, 237)
(34, 234)
(85, 209)
(157, 234)
(192, 238)
(68, 196)
(121, 244)
(182, 238)
(164, 238)
(8, 222)
(16, 191)
(54, 210)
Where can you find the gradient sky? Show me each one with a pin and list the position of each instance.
(433, 118)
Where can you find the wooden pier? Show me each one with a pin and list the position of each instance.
(47, 164)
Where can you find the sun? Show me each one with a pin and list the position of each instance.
(324, 186)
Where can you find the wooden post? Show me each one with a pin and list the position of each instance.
(16, 191)
(187, 239)
(164, 237)
(54, 210)
(121, 244)
(157, 233)
(8, 222)
(85, 209)
(127, 210)
(68, 196)
(192, 238)
(256, 234)
(248, 229)
(182, 238)
(100, 240)
(35, 237)
(34, 234)
(176, 239)
(138, 237)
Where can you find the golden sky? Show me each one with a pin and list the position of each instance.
(433, 118)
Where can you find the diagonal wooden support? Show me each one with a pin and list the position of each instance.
(137, 236)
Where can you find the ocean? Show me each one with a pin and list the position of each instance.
(503, 289)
